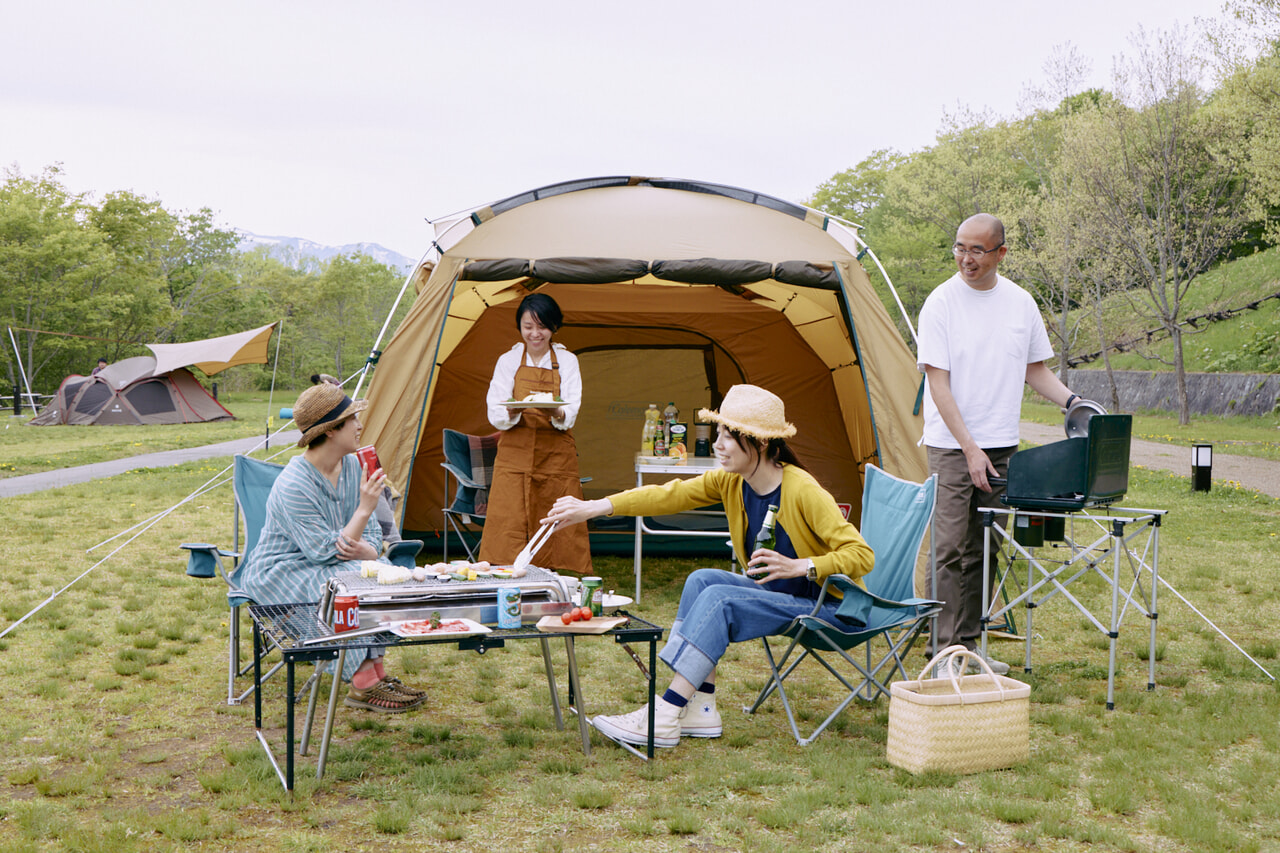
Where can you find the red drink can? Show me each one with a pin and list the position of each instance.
(368, 457)
(346, 613)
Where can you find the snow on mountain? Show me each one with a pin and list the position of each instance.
(306, 254)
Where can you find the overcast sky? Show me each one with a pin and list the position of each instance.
(342, 122)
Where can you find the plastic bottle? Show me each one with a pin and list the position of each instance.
(651, 417)
(670, 415)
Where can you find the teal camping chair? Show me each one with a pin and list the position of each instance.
(896, 514)
(251, 482)
(468, 460)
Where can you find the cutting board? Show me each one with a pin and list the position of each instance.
(594, 625)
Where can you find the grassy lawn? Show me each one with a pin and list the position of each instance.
(29, 450)
(1243, 436)
(117, 736)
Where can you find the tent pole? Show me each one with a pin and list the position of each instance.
(387, 323)
(905, 317)
(22, 371)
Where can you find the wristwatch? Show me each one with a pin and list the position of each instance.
(811, 571)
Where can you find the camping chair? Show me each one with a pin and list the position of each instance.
(251, 482)
(469, 459)
(895, 516)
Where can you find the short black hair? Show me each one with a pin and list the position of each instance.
(544, 308)
(315, 379)
(103, 359)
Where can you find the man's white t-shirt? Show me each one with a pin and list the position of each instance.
(985, 339)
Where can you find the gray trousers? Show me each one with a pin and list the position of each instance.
(958, 538)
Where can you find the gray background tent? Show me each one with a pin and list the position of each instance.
(156, 389)
(127, 392)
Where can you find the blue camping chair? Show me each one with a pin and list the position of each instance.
(251, 482)
(895, 517)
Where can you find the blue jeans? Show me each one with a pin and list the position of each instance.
(718, 608)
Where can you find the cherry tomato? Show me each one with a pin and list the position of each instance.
(566, 617)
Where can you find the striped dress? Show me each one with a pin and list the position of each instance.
(297, 551)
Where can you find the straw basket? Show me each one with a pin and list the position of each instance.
(958, 724)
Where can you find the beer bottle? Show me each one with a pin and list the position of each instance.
(766, 538)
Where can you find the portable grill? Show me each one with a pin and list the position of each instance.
(1070, 475)
(542, 593)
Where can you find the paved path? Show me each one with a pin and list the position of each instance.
(84, 473)
(1250, 472)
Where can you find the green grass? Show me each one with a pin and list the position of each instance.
(117, 736)
(1257, 436)
(1246, 343)
(29, 450)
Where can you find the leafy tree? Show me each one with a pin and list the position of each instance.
(131, 302)
(1159, 183)
(199, 268)
(1046, 255)
(51, 260)
(341, 311)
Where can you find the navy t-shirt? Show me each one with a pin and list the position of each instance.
(757, 506)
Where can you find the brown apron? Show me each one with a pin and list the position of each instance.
(536, 463)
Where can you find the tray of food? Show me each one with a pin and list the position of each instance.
(540, 400)
(436, 627)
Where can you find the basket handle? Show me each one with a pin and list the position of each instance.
(959, 650)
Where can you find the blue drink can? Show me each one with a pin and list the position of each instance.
(509, 607)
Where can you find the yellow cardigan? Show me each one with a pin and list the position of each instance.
(807, 512)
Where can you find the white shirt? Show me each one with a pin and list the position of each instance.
(985, 339)
(502, 385)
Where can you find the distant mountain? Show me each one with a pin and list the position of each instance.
(304, 254)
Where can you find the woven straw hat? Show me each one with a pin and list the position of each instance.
(322, 408)
(752, 411)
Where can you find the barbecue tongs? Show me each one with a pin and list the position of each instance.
(521, 564)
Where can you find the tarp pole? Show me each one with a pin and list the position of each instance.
(271, 393)
(31, 397)
(387, 323)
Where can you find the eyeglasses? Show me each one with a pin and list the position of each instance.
(976, 254)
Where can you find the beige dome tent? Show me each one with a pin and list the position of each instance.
(671, 291)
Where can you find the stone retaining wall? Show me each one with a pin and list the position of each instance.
(1207, 393)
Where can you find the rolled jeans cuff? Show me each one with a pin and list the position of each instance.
(688, 661)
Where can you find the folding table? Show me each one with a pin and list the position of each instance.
(302, 637)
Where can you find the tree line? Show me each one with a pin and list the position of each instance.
(1132, 191)
(82, 279)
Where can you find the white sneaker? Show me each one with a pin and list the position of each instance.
(700, 717)
(633, 728)
(999, 667)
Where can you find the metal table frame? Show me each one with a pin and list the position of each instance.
(1128, 539)
(692, 467)
(290, 625)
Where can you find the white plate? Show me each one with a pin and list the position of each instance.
(613, 602)
(533, 404)
(472, 627)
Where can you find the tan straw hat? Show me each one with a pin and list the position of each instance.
(322, 408)
(753, 411)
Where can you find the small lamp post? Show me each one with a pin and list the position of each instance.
(1201, 467)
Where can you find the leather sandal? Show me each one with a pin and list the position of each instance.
(403, 689)
(380, 698)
